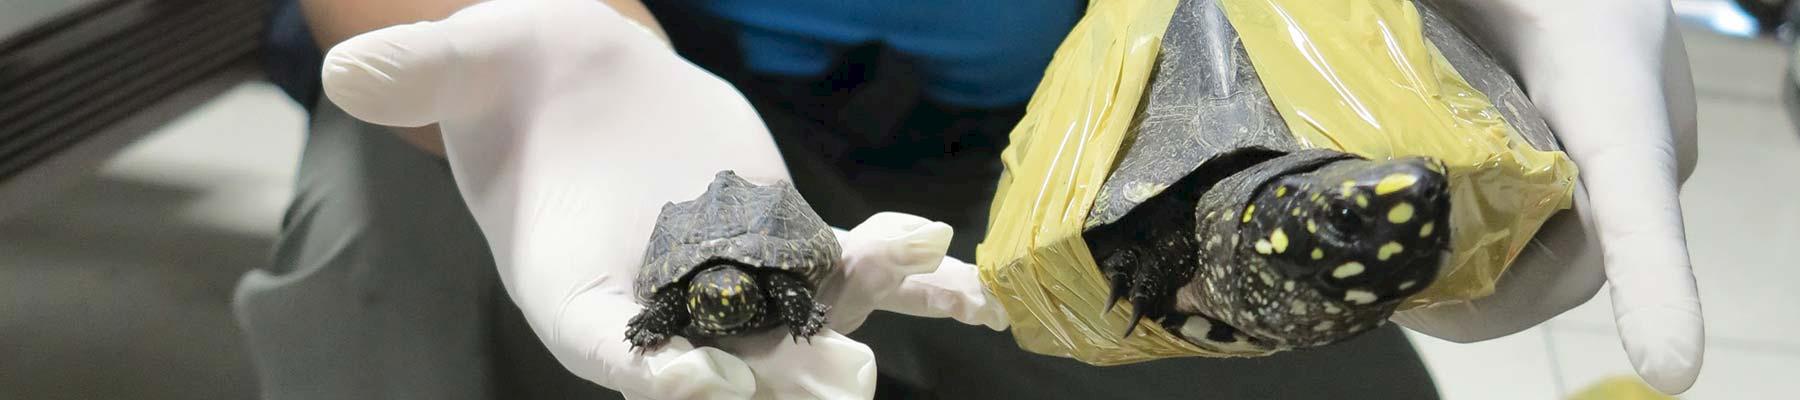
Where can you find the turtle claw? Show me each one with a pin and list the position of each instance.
(1137, 315)
(811, 325)
(1149, 285)
(641, 337)
(652, 327)
(794, 306)
(1118, 268)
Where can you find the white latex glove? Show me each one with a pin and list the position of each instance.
(1611, 77)
(567, 128)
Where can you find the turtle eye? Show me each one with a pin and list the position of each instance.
(1344, 220)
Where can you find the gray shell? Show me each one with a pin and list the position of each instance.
(763, 227)
(1205, 101)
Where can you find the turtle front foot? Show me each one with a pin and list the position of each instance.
(660, 319)
(794, 306)
(638, 331)
(810, 324)
(1148, 283)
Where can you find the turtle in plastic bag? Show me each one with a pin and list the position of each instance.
(1218, 225)
(740, 258)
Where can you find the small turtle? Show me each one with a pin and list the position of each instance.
(1217, 224)
(739, 258)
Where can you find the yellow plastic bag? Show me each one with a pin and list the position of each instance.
(1356, 76)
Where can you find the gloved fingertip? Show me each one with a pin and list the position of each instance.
(394, 76)
(897, 220)
(925, 245)
(1667, 346)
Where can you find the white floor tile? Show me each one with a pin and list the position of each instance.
(252, 132)
(238, 151)
(119, 288)
(1732, 371)
(1725, 65)
(1513, 367)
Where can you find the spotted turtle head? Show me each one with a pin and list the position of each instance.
(1361, 231)
(723, 299)
(1323, 255)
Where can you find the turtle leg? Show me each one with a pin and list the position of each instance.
(665, 316)
(792, 303)
(1156, 277)
(1149, 283)
(1118, 270)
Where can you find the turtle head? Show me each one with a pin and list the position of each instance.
(724, 298)
(1361, 231)
(1326, 254)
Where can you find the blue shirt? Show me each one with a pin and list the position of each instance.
(972, 53)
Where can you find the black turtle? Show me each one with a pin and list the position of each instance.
(739, 258)
(1219, 225)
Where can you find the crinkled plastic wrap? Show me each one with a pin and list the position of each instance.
(1356, 76)
(1033, 259)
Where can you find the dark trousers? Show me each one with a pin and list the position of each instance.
(861, 139)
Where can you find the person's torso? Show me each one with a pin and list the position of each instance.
(974, 53)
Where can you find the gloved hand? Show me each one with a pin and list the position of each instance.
(1611, 77)
(567, 127)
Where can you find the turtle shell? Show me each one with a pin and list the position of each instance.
(1205, 107)
(759, 227)
(1486, 74)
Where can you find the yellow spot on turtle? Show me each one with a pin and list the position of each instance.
(1318, 254)
(1408, 284)
(1263, 246)
(1324, 326)
(1426, 230)
(1395, 182)
(1347, 270)
(1281, 191)
(1248, 211)
(1358, 296)
(1288, 286)
(1294, 212)
(1362, 201)
(1311, 226)
(1400, 213)
(1331, 309)
(1279, 239)
(725, 301)
(1388, 250)
(1315, 197)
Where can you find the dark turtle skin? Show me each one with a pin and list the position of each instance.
(738, 259)
(1217, 224)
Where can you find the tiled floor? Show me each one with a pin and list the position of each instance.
(118, 289)
(124, 280)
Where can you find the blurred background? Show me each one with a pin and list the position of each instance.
(144, 166)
